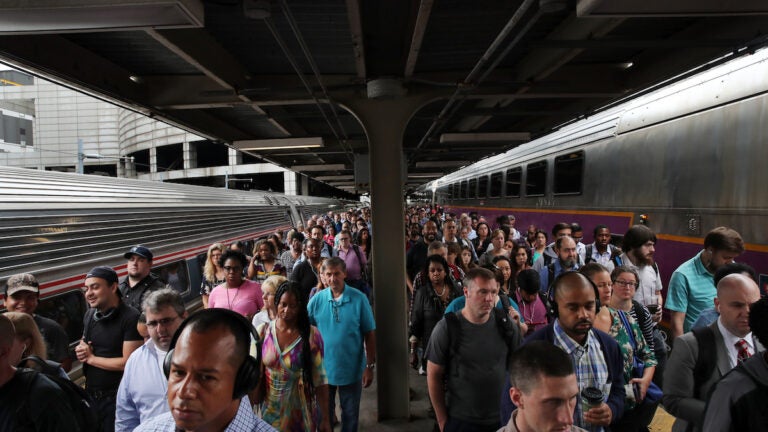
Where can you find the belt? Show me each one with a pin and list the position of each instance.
(101, 394)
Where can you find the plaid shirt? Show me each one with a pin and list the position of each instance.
(590, 366)
(245, 421)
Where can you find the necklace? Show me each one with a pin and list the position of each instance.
(234, 299)
(440, 294)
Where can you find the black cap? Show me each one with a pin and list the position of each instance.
(140, 251)
(103, 272)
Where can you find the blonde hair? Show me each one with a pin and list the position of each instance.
(209, 270)
(27, 329)
(271, 283)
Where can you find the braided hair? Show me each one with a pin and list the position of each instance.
(302, 321)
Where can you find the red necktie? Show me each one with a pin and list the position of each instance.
(742, 351)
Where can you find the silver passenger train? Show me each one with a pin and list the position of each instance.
(58, 226)
(683, 159)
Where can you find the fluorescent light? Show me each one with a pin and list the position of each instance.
(98, 15)
(279, 143)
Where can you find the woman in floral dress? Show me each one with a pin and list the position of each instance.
(296, 396)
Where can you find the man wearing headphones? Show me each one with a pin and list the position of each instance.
(209, 374)
(595, 355)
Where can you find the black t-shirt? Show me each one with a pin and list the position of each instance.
(306, 277)
(32, 402)
(106, 336)
(56, 340)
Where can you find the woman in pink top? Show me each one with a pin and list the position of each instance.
(236, 293)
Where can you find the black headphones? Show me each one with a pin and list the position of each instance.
(248, 375)
(552, 304)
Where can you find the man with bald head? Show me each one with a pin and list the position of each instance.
(28, 399)
(703, 356)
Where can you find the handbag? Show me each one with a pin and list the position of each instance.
(654, 393)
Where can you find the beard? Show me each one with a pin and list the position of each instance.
(567, 264)
(429, 237)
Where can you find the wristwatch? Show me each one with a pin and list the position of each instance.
(370, 365)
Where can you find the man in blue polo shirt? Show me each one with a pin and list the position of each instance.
(344, 318)
(692, 287)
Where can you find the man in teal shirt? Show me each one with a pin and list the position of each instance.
(692, 287)
(344, 318)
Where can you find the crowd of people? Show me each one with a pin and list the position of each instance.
(601, 304)
(514, 331)
(284, 328)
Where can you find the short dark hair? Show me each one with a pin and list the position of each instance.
(204, 321)
(536, 359)
(734, 268)
(724, 238)
(235, 255)
(636, 237)
(758, 319)
(314, 227)
(599, 227)
(559, 227)
(335, 262)
(576, 227)
(437, 259)
(295, 235)
(529, 281)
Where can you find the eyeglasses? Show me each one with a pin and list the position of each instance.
(625, 283)
(233, 269)
(161, 322)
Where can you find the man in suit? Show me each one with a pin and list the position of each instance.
(690, 374)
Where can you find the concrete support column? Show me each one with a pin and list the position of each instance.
(384, 122)
(153, 159)
(189, 154)
(289, 182)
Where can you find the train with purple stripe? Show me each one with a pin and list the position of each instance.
(683, 158)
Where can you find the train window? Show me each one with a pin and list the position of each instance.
(569, 169)
(495, 185)
(482, 185)
(454, 190)
(514, 178)
(463, 192)
(536, 178)
(175, 275)
(68, 310)
(472, 192)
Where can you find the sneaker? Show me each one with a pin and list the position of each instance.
(422, 371)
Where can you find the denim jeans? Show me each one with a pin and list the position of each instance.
(349, 398)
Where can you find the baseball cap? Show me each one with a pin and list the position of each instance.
(140, 251)
(22, 282)
(103, 272)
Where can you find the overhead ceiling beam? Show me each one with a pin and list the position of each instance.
(321, 167)
(441, 164)
(198, 48)
(448, 138)
(356, 31)
(425, 175)
(96, 15)
(666, 8)
(334, 177)
(634, 43)
(425, 9)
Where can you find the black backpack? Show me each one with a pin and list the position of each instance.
(79, 402)
(508, 331)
